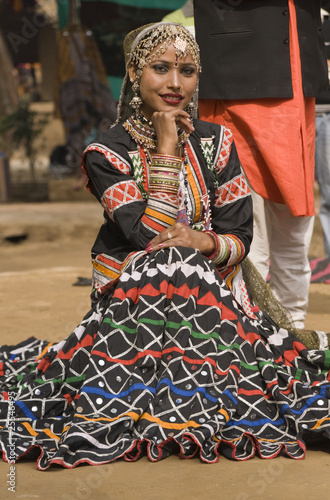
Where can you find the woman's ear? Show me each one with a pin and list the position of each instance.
(132, 72)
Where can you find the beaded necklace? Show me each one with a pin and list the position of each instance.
(144, 135)
(138, 128)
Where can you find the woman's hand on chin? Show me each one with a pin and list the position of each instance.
(165, 124)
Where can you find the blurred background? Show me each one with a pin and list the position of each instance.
(61, 70)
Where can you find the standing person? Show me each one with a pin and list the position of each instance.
(322, 148)
(167, 361)
(263, 64)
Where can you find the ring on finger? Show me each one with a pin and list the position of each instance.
(169, 236)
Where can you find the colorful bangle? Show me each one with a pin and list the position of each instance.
(216, 243)
(164, 173)
(163, 156)
(221, 252)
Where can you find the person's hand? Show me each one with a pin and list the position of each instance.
(165, 124)
(179, 235)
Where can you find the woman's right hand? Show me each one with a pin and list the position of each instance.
(165, 124)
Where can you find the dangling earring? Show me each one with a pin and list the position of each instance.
(190, 108)
(136, 101)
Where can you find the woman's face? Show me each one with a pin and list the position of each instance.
(167, 83)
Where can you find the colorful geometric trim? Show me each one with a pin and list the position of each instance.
(114, 158)
(107, 269)
(160, 212)
(232, 191)
(224, 151)
(196, 183)
(228, 274)
(141, 171)
(109, 266)
(118, 195)
(207, 145)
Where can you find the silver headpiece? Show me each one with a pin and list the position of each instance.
(139, 48)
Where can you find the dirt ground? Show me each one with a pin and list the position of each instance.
(37, 297)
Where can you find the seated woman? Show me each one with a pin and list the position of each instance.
(173, 357)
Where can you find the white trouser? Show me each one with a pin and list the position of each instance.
(280, 246)
(322, 167)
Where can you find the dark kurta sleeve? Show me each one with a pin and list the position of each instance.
(232, 205)
(111, 182)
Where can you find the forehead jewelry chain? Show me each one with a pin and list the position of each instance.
(180, 46)
(157, 41)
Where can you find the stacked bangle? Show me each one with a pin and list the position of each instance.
(164, 173)
(221, 251)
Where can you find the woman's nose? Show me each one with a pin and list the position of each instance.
(175, 80)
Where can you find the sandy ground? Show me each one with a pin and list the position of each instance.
(37, 297)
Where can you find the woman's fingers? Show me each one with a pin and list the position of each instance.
(166, 236)
(185, 124)
(180, 117)
(177, 235)
(181, 235)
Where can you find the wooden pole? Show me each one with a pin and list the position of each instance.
(8, 86)
(73, 15)
(8, 103)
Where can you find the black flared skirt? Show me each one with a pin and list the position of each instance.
(166, 362)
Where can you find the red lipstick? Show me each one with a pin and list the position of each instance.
(172, 99)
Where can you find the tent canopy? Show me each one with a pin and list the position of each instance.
(148, 4)
(64, 5)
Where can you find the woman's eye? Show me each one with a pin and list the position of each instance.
(159, 68)
(188, 71)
